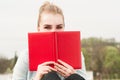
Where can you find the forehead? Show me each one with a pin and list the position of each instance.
(51, 18)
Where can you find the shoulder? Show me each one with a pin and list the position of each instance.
(23, 53)
(23, 57)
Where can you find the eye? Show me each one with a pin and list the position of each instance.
(59, 27)
(47, 27)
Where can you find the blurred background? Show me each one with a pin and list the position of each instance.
(98, 21)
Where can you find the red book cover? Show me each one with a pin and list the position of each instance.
(50, 46)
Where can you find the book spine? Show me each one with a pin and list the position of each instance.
(56, 46)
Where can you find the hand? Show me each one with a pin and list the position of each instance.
(64, 69)
(43, 69)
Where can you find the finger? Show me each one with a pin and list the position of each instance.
(48, 68)
(53, 69)
(68, 71)
(62, 72)
(60, 66)
(59, 69)
(45, 72)
(65, 64)
(47, 63)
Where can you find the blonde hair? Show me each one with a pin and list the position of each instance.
(50, 8)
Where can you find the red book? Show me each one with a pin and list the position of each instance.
(50, 46)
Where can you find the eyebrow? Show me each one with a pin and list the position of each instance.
(59, 24)
(50, 25)
(46, 25)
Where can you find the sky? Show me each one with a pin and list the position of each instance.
(94, 18)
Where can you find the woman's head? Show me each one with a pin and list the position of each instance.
(50, 18)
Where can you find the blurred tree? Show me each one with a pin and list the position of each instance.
(13, 61)
(87, 58)
(4, 64)
(112, 60)
(94, 50)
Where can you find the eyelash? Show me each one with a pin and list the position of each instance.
(47, 27)
(59, 27)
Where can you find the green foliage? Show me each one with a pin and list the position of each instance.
(6, 65)
(88, 58)
(13, 61)
(111, 54)
(112, 59)
(102, 56)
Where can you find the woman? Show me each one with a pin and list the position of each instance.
(50, 19)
